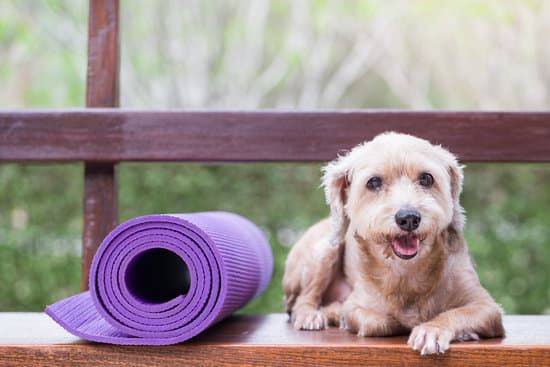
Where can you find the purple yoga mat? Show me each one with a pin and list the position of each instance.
(162, 279)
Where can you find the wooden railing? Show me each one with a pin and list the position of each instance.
(111, 135)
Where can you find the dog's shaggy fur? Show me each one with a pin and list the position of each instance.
(360, 270)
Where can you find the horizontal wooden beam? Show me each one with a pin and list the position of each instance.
(111, 135)
(32, 339)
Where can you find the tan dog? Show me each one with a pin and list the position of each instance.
(392, 258)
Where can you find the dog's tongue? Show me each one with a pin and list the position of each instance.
(406, 247)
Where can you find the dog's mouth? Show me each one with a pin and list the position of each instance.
(406, 246)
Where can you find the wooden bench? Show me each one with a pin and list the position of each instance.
(100, 138)
(31, 339)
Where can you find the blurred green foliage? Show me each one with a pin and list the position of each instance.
(42, 53)
(41, 222)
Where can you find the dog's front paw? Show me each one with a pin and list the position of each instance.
(308, 318)
(430, 339)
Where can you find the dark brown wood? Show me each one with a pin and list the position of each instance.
(102, 79)
(111, 135)
(35, 340)
(102, 90)
(100, 211)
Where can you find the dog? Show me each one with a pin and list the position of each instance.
(392, 258)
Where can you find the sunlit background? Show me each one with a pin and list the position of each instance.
(475, 55)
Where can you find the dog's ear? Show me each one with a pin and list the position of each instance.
(336, 181)
(457, 177)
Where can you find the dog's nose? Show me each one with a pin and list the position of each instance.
(408, 219)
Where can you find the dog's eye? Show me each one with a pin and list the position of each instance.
(374, 183)
(426, 180)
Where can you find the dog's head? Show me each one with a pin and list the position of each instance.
(397, 192)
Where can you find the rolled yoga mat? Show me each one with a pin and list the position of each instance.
(162, 279)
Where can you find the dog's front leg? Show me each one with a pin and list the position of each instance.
(314, 281)
(469, 322)
(365, 321)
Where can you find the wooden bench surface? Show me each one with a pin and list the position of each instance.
(32, 339)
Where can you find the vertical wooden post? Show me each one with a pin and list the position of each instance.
(102, 90)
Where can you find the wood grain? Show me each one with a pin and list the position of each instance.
(110, 135)
(34, 340)
(100, 211)
(102, 90)
(102, 77)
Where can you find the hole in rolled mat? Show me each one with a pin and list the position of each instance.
(156, 276)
